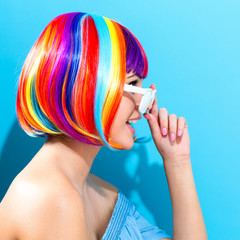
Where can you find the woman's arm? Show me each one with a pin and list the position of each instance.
(171, 137)
(188, 222)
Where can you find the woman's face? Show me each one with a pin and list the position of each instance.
(121, 132)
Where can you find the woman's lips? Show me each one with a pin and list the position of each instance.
(131, 128)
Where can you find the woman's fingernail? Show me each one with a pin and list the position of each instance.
(172, 136)
(179, 133)
(164, 131)
(147, 116)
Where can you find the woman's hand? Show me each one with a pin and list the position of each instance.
(163, 127)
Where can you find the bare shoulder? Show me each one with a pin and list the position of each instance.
(103, 184)
(39, 210)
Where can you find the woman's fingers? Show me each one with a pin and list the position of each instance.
(181, 124)
(163, 120)
(168, 124)
(172, 126)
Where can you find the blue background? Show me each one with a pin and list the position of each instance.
(194, 60)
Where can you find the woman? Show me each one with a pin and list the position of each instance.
(80, 86)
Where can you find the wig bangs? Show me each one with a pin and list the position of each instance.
(136, 60)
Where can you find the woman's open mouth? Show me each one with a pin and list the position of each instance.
(130, 127)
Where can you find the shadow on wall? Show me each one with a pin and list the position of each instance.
(148, 181)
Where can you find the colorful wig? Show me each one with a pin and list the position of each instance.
(73, 78)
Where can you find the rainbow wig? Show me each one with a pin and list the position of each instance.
(73, 78)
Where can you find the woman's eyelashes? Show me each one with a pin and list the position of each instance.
(133, 83)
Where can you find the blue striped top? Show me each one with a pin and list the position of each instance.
(127, 223)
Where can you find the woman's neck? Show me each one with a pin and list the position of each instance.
(72, 157)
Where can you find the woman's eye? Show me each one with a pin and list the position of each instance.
(133, 83)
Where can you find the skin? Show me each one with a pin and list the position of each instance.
(174, 148)
(60, 199)
(55, 196)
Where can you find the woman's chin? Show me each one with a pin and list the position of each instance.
(123, 137)
(128, 146)
(126, 142)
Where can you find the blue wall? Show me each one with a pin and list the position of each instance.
(194, 60)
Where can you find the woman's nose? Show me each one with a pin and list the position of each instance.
(138, 98)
